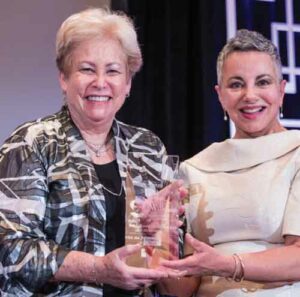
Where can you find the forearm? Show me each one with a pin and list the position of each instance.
(274, 265)
(78, 267)
(109, 269)
(84, 267)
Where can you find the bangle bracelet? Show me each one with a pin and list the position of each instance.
(239, 269)
(233, 277)
(236, 268)
(242, 265)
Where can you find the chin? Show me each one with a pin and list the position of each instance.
(246, 132)
(101, 118)
(258, 133)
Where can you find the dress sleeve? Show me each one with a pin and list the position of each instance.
(291, 223)
(27, 258)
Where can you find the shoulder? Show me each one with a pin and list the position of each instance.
(207, 153)
(138, 135)
(39, 128)
(236, 154)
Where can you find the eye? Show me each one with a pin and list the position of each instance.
(235, 85)
(87, 70)
(113, 71)
(263, 82)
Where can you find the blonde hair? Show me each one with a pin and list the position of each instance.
(97, 23)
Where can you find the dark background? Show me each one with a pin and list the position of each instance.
(174, 94)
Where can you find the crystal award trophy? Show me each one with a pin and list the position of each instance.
(151, 209)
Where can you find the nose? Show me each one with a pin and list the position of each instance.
(250, 94)
(100, 81)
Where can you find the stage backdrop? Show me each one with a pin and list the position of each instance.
(174, 94)
(28, 75)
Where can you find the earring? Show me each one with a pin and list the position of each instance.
(64, 97)
(225, 116)
(281, 112)
(127, 95)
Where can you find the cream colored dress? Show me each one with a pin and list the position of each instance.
(244, 197)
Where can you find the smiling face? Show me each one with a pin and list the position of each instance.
(251, 93)
(96, 84)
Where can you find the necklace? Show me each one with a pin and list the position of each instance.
(99, 149)
(113, 193)
(110, 171)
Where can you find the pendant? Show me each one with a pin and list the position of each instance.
(98, 153)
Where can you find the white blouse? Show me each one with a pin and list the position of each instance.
(244, 197)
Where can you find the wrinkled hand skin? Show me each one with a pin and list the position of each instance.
(203, 261)
(112, 269)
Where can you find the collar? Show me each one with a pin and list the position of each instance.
(236, 154)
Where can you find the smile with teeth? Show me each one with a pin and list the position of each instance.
(252, 110)
(98, 98)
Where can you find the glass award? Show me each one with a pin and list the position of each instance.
(151, 215)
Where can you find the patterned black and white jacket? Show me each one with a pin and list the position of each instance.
(51, 202)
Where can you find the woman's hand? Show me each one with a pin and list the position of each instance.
(205, 260)
(112, 269)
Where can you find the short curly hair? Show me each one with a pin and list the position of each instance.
(244, 41)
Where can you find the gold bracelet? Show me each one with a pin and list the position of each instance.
(236, 268)
(235, 272)
(238, 277)
(241, 278)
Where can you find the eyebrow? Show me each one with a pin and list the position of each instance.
(264, 75)
(235, 77)
(114, 64)
(111, 64)
(87, 62)
(258, 77)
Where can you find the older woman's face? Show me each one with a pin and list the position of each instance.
(251, 93)
(97, 83)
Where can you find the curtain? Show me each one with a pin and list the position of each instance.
(174, 94)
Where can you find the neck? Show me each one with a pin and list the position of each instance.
(92, 131)
(100, 146)
(95, 138)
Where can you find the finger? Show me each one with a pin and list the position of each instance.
(148, 274)
(181, 210)
(178, 223)
(128, 250)
(171, 188)
(178, 265)
(138, 205)
(149, 250)
(144, 283)
(177, 273)
(183, 192)
(193, 242)
(174, 273)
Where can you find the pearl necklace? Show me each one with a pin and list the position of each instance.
(99, 149)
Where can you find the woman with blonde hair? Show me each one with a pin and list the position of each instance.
(62, 178)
